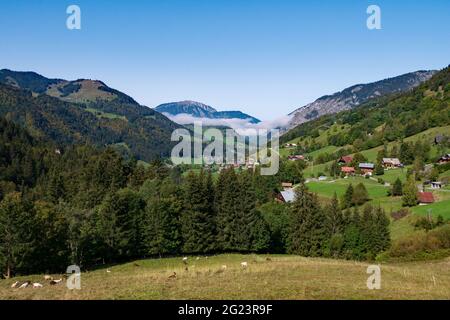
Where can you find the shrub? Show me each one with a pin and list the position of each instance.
(397, 215)
(421, 246)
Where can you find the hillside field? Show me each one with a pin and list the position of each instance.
(267, 277)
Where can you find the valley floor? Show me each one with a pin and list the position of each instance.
(267, 277)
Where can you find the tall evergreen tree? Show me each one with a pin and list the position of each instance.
(162, 227)
(347, 200)
(307, 232)
(17, 232)
(120, 224)
(379, 169)
(397, 188)
(335, 219)
(410, 193)
(360, 195)
(198, 218)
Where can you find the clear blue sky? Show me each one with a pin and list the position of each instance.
(264, 57)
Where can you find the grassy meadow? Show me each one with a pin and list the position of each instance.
(267, 277)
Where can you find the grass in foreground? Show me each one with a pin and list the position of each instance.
(283, 277)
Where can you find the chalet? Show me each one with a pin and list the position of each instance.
(444, 159)
(348, 170)
(366, 168)
(290, 145)
(391, 163)
(345, 160)
(436, 185)
(286, 185)
(296, 157)
(286, 196)
(425, 197)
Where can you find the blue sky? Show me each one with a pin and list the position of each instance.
(264, 57)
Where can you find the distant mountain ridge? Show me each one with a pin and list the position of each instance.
(200, 110)
(78, 91)
(84, 111)
(356, 95)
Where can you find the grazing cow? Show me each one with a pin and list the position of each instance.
(108, 271)
(268, 259)
(48, 278)
(244, 265)
(25, 284)
(37, 285)
(15, 284)
(173, 276)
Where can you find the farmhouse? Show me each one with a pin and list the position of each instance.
(290, 145)
(286, 196)
(345, 160)
(425, 197)
(286, 185)
(296, 157)
(348, 170)
(444, 159)
(436, 185)
(366, 168)
(391, 163)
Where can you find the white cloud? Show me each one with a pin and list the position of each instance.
(241, 126)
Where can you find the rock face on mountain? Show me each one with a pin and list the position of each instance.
(356, 95)
(200, 110)
(80, 111)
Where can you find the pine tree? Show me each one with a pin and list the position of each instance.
(228, 227)
(308, 232)
(379, 169)
(352, 236)
(367, 232)
(162, 229)
(335, 169)
(120, 224)
(410, 193)
(397, 188)
(335, 219)
(347, 200)
(198, 219)
(17, 232)
(335, 226)
(382, 238)
(360, 195)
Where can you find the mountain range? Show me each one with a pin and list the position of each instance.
(200, 110)
(356, 95)
(88, 111)
(84, 111)
(378, 121)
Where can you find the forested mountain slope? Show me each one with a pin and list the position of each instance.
(388, 118)
(118, 120)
